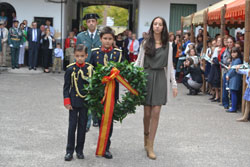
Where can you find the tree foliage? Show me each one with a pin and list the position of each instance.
(94, 9)
(120, 15)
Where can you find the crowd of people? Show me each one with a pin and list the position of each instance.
(217, 64)
(29, 44)
(32, 45)
(84, 50)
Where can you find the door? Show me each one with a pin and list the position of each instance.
(178, 10)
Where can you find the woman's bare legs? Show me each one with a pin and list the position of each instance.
(217, 96)
(246, 113)
(150, 120)
(146, 118)
(155, 115)
(146, 123)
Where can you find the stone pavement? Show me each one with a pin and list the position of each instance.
(193, 132)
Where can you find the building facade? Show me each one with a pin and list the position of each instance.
(67, 15)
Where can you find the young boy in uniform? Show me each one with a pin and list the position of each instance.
(75, 78)
(102, 56)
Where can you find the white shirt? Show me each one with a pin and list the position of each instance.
(58, 53)
(136, 46)
(92, 33)
(50, 42)
(215, 54)
(34, 32)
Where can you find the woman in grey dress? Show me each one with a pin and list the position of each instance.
(156, 57)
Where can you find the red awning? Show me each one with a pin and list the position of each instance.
(234, 16)
(214, 14)
(235, 12)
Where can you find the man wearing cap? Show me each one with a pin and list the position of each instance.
(15, 38)
(4, 40)
(91, 39)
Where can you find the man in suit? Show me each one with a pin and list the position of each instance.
(4, 42)
(91, 39)
(34, 37)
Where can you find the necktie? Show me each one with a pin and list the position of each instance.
(91, 36)
(1, 33)
(132, 46)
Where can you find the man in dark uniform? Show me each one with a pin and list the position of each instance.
(75, 78)
(91, 39)
(15, 42)
(102, 56)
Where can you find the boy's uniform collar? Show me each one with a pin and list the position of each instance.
(80, 65)
(106, 50)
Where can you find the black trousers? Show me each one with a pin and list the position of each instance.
(33, 52)
(110, 134)
(47, 55)
(77, 118)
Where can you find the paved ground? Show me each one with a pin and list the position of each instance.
(193, 132)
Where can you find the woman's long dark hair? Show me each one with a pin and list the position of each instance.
(150, 41)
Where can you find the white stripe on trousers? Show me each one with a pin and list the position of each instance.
(21, 54)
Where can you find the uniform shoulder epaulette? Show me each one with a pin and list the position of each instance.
(118, 49)
(70, 65)
(89, 64)
(94, 49)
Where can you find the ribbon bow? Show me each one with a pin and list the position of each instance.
(109, 99)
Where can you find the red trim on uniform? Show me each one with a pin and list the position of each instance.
(67, 101)
(107, 50)
(80, 65)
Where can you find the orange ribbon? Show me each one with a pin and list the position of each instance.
(109, 99)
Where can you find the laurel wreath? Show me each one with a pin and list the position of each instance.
(127, 103)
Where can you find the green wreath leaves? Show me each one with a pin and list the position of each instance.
(135, 76)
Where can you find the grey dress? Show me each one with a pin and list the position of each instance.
(157, 81)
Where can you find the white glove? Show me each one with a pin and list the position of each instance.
(21, 46)
(11, 45)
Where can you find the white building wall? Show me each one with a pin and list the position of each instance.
(149, 9)
(70, 12)
(28, 9)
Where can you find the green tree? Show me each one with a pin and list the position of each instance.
(120, 15)
(94, 9)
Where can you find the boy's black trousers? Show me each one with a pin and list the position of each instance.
(78, 117)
